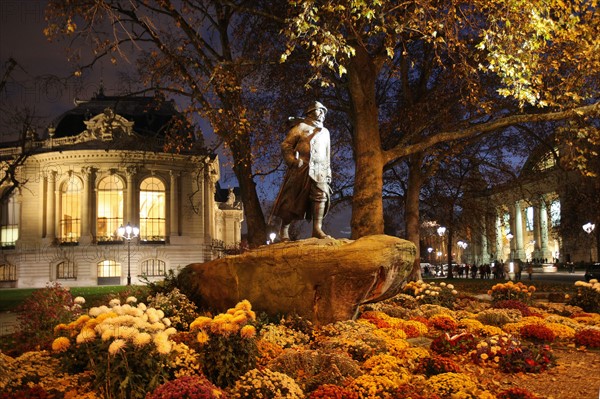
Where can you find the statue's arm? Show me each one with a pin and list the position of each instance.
(288, 147)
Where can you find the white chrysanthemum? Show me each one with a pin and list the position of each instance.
(79, 300)
(114, 302)
(126, 332)
(142, 339)
(131, 299)
(163, 347)
(142, 306)
(170, 331)
(166, 322)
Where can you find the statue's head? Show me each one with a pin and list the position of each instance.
(313, 107)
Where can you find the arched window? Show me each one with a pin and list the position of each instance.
(153, 267)
(9, 222)
(109, 268)
(70, 210)
(152, 210)
(66, 270)
(109, 208)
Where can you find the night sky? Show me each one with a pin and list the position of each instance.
(22, 38)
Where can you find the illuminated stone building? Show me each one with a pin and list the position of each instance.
(103, 166)
(538, 217)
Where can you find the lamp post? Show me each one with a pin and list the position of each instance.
(429, 250)
(511, 266)
(441, 231)
(128, 233)
(588, 228)
(462, 245)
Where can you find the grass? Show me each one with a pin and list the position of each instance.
(10, 298)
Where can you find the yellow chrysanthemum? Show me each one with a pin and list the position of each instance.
(248, 331)
(244, 305)
(200, 322)
(86, 335)
(202, 337)
(60, 327)
(61, 344)
(116, 346)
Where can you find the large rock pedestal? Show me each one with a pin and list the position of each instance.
(321, 280)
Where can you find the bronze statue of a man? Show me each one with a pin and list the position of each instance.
(305, 189)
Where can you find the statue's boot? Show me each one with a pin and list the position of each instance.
(318, 214)
(284, 234)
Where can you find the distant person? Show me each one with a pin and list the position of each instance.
(530, 271)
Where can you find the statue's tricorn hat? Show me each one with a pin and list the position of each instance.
(314, 106)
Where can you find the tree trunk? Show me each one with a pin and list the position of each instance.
(450, 271)
(411, 210)
(255, 220)
(367, 201)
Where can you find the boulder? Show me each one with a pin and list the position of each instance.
(323, 280)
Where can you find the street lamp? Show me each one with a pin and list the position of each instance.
(462, 245)
(272, 238)
(588, 228)
(128, 233)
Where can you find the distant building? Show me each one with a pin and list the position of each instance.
(103, 166)
(539, 217)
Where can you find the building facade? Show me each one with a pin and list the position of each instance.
(103, 166)
(539, 217)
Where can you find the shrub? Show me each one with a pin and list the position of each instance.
(34, 392)
(443, 322)
(126, 346)
(499, 317)
(511, 291)
(188, 387)
(430, 293)
(445, 344)
(513, 304)
(448, 384)
(435, 365)
(587, 296)
(330, 391)
(176, 306)
(492, 349)
(537, 332)
(588, 337)
(528, 359)
(40, 312)
(266, 384)
(311, 369)
(358, 339)
(228, 344)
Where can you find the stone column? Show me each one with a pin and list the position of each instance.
(519, 250)
(51, 207)
(130, 215)
(499, 246)
(536, 232)
(208, 205)
(174, 205)
(485, 257)
(87, 205)
(544, 252)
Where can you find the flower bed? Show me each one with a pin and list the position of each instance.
(422, 344)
